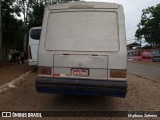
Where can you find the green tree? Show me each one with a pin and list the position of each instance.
(11, 27)
(33, 13)
(36, 16)
(14, 29)
(149, 26)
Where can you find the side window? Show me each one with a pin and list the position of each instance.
(35, 34)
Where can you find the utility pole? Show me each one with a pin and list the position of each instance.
(0, 33)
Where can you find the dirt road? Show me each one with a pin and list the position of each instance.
(143, 95)
(10, 72)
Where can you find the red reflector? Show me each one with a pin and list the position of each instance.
(44, 70)
(56, 75)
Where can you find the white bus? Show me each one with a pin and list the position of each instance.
(34, 37)
(83, 50)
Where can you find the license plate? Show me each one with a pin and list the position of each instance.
(80, 72)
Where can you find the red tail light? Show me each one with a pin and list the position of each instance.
(44, 70)
(29, 53)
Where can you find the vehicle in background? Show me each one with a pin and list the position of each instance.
(83, 50)
(34, 37)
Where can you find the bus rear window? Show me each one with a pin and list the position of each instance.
(83, 31)
(35, 34)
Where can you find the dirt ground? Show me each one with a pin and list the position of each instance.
(10, 72)
(143, 95)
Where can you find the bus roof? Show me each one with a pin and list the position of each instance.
(85, 5)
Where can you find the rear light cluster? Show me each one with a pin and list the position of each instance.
(44, 70)
(118, 73)
(29, 53)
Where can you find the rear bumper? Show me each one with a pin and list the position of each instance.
(81, 86)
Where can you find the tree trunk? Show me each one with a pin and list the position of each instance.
(25, 13)
(0, 32)
(25, 43)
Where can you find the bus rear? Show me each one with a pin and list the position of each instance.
(34, 37)
(83, 50)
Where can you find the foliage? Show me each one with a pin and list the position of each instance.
(18, 16)
(36, 16)
(12, 30)
(149, 26)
